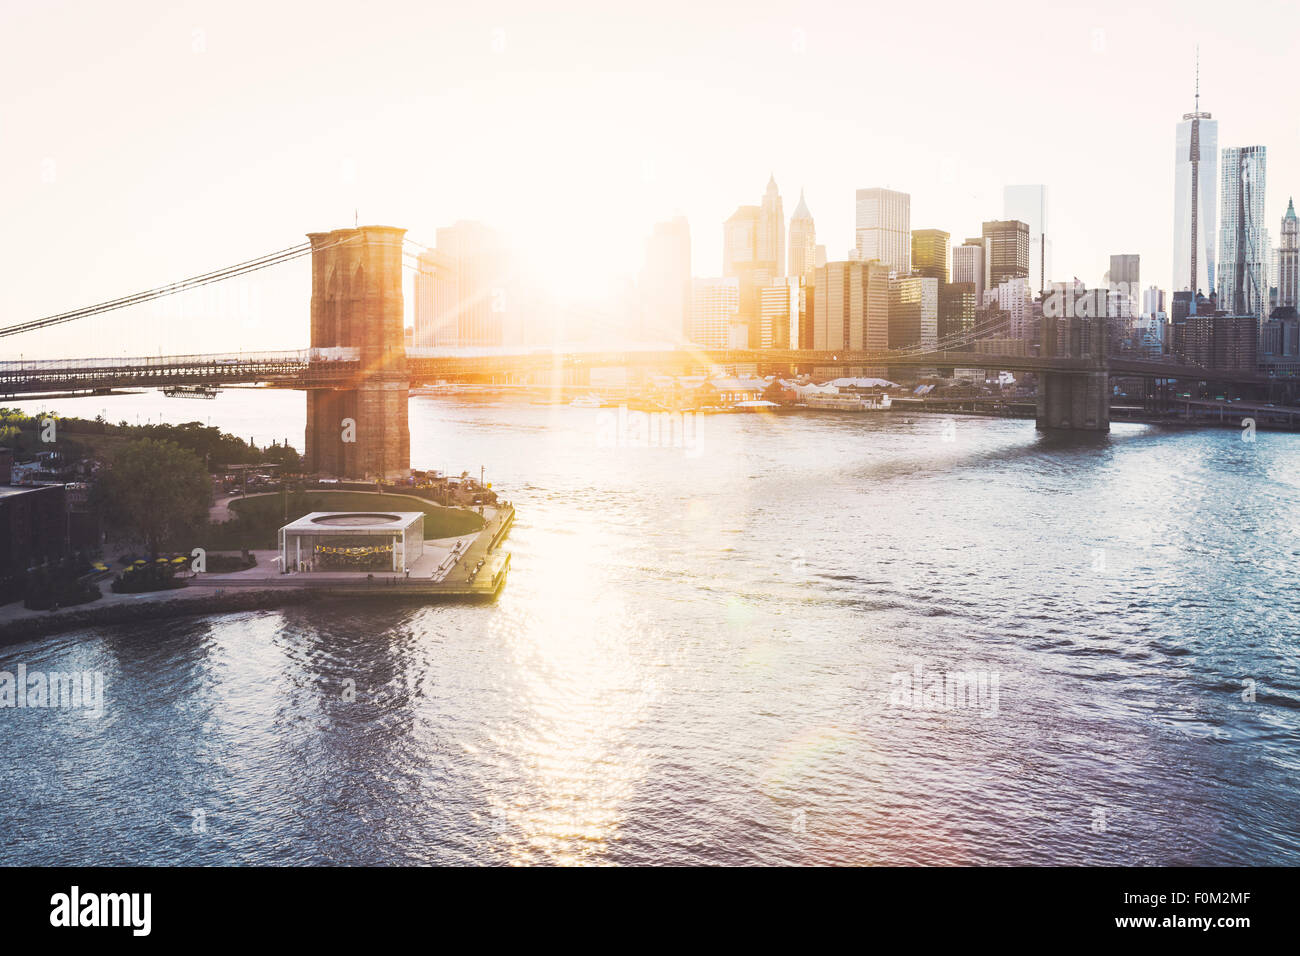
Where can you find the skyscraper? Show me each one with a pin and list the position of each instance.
(851, 306)
(803, 240)
(968, 266)
(1014, 297)
(957, 307)
(1126, 269)
(482, 272)
(778, 306)
(1028, 204)
(930, 254)
(1288, 261)
(771, 229)
(714, 305)
(913, 312)
(753, 246)
(1242, 251)
(665, 281)
(740, 241)
(1196, 158)
(435, 302)
(1153, 301)
(1124, 278)
(1006, 251)
(740, 261)
(1225, 342)
(884, 228)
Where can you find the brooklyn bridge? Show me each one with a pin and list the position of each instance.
(357, 370)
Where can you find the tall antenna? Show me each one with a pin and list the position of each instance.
(1198, 77)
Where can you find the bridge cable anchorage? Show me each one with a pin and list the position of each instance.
(184, 285)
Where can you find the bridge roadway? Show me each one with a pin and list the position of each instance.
(340, 367)
(301, 368)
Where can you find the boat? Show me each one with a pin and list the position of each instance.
(191, 391)
(587, 401)
(441, 388)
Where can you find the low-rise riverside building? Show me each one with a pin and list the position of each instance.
(352, 541)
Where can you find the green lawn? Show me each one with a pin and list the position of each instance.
(259, 517)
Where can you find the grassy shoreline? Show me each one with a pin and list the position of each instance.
(257, 518)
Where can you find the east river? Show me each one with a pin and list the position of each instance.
(723, 650)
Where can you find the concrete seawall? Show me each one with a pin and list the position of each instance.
(187, 602)
(179, 603)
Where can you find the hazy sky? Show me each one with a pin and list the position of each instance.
(148, 141)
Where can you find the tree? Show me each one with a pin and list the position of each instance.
(154, 492)
(285, 455)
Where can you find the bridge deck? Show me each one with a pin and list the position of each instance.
(340, 368)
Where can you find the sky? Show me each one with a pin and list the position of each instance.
(145, 142)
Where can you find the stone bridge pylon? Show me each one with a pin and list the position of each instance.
(360, 430)
(1076, 400)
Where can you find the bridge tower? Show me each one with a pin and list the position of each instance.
(356, 302)
(1076, 400)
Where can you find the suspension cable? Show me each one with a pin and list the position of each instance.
(218, 275)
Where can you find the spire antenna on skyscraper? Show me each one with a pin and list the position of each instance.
(1198, 77)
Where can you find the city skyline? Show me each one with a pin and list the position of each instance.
(599, 196)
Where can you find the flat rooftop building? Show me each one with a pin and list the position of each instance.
(352, 541)
(33, 531)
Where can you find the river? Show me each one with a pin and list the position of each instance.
(700, 657)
